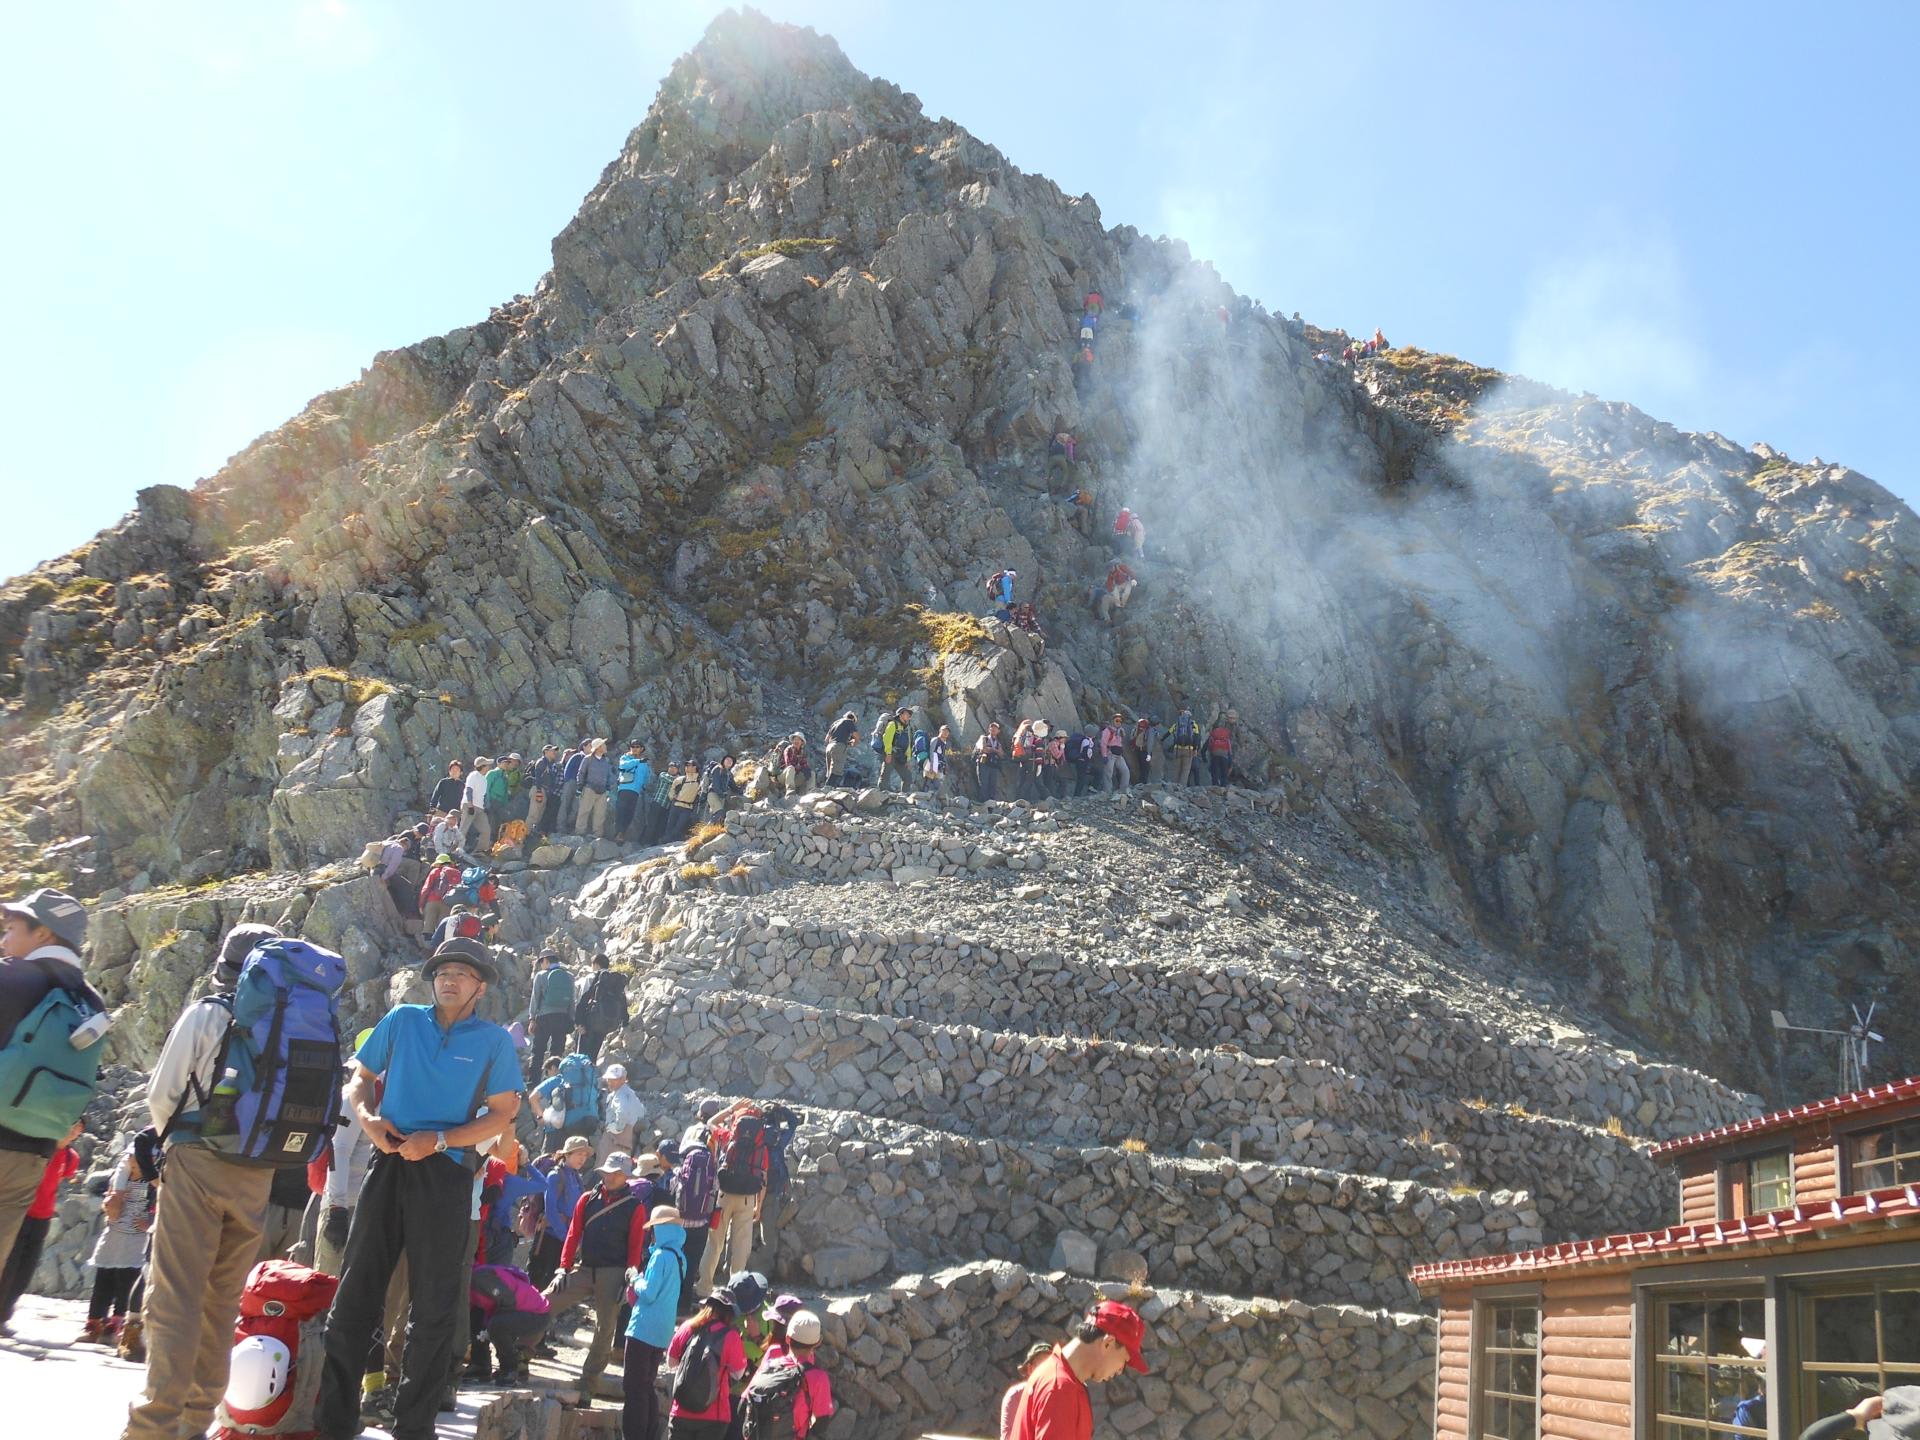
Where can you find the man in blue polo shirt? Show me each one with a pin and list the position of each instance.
(451, 1082)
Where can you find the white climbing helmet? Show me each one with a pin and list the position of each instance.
(259, 1373)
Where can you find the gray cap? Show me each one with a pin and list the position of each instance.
(237, 946)
(65, 916)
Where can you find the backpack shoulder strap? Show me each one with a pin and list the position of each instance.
(198, 1096)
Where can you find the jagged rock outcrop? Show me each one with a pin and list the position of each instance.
(1612, 726)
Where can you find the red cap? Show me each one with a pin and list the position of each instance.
(1124, 1324)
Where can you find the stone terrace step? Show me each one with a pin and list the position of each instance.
(1354, 1023)
(1028, 1086)
(1037, 1088)
(875, 1197)
(1252, 1368)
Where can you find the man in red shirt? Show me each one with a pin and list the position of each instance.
(1054, 1404)
(62, 1166)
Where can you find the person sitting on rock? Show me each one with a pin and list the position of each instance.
(444, 837)
(446, 794)
(989, 754)
(841, 736)
(796, 770)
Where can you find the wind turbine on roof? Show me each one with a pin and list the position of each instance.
(1855, 1042)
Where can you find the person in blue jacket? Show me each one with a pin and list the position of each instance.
(654, 1293)
(566, 1183)
(634, 772)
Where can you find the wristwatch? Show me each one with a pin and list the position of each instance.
(440, 1142)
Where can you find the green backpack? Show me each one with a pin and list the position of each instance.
(45, 1083)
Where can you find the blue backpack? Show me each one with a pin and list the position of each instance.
(580, 1091)
(277, 1096)
(44, 1082)
(476, 886)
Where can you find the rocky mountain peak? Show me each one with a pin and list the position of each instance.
(1632, 706)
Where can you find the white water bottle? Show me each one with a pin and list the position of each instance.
(89, 1031)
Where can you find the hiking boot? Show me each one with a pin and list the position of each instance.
(133, 1340)
(378, 1406)
(94, 1334)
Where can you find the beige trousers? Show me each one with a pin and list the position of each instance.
(732, 1234)
(205, 1239)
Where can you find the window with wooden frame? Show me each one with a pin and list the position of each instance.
(1769, 1182)
(1506, 1369)
(1878, 1159)
(1709, 1373)
(1856, 1339)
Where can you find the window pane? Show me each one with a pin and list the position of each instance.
(1502, 1376)
(1900, 1327)
(1834, 1393)
(1526, 1375)
(1502, 1326)
(1735, 1327)
(1684, 1327)
(1686, 1391)
(1727, 1386)
(1843, 1330)
(1524, 1427)
(1526, 1328)
(1499, 1416)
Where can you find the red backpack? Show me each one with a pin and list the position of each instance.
(280, 1343)
(744, 1159)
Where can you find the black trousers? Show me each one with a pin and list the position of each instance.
(545, 1259)
(550, 1032)
(514, 1333)
(111, 1288)
(695, 1250)
(21, 1264)
(419, 1209)
(625, 802)
(640, 1410)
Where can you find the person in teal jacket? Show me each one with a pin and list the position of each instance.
(654, 1293)
(634, 772)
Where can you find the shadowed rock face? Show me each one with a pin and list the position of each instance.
(1637, 705)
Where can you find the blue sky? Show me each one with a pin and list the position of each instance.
(224, 208)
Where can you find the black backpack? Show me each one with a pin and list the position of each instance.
(696, 1378)
(768, 1402)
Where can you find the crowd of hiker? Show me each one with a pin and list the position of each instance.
(374, 1210)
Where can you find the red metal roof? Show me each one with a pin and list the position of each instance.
(1869, 1099)
(1884, 1207)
